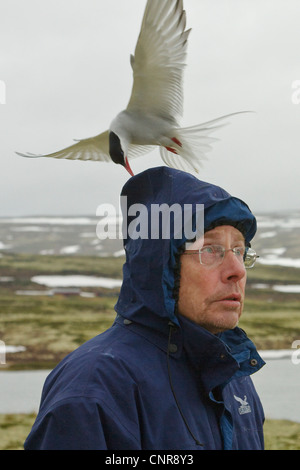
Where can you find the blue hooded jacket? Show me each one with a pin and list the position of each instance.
(156, 380)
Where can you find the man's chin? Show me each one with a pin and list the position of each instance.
(224, 322)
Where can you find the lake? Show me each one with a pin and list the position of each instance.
(278, 384)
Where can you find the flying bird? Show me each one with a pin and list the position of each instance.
(156, 102)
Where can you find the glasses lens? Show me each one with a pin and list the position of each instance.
(250, 258)
(214, 254)
(211, 254)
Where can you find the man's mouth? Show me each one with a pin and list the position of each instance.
(233, 297)
(232, 300)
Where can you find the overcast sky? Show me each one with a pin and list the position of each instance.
(65, 67)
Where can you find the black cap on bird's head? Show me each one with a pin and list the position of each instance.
(116, 152)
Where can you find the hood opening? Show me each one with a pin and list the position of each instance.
(150, 287)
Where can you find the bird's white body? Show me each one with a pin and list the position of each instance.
(142, 129)
(156, 103)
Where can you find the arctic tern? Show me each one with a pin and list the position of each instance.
(156, 102)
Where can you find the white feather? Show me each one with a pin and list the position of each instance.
(93, 148)
(159, 60)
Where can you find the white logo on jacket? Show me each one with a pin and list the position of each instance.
(245, 407)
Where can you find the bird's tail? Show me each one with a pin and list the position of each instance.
(192, 143)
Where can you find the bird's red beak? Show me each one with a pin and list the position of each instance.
(127, 166)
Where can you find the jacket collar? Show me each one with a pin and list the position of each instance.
(216, 359)
(219, 358)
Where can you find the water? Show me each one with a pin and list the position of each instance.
(20, 391)
(278, 384)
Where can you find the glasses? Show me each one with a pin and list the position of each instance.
(213, 255)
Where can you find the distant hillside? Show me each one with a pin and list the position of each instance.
(277, 240)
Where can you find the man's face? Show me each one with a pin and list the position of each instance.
(213, 296)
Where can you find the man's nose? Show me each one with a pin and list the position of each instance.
(233, 267)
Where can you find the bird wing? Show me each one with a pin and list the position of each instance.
(135, 151)
(158, 63)
(94, 148)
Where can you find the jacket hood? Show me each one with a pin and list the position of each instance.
(151, 243)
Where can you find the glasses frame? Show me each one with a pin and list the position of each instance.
(249, 254)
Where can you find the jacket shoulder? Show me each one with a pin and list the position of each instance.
(88, 388)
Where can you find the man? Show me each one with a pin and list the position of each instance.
(173, 371)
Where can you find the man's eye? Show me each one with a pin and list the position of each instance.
(240, 251)
(208, 249)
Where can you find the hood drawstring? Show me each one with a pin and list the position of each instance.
(177, 269)
(172, 326)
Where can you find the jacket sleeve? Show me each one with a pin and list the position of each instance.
(80, 424)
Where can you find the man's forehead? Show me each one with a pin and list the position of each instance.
(219, 234)
(224, 230)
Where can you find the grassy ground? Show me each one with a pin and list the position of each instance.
(14, 429)
(272, 319)
(51, 327)
(282, 435)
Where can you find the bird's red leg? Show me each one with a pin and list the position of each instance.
(176, 141)
(170, 149)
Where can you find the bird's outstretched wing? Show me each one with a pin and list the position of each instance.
(94, 148)
(135, 151)
(158, 63)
